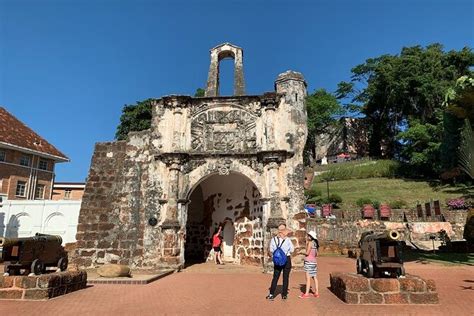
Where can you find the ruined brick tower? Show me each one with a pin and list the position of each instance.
(155, 199)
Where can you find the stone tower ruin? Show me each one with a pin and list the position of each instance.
(154, 199)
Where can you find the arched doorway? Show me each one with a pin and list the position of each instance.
(234, 202)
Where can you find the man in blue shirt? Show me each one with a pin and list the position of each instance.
(287, 247)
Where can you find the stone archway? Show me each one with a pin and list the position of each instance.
(234, 202)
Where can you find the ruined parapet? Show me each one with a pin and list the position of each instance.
(218, 53)
(139, 194)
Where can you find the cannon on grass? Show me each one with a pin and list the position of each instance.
(380, 255)
(33, 254)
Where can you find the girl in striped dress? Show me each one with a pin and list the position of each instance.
(310, 264)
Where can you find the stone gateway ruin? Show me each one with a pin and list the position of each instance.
(154, 200)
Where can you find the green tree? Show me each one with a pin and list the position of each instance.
(136, 117)
(322, 108)
(398, 92)
(199, 93)
(466, 150)
(459, 115)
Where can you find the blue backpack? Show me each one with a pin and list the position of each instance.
(279, 256)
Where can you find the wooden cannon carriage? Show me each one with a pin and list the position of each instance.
(33, 254)
(380, 255)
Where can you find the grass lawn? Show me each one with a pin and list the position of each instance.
(440, 257)
(386, 190)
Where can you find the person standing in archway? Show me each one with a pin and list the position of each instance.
(281, 249)
(216, 244)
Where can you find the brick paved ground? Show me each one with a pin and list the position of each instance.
(215, 290)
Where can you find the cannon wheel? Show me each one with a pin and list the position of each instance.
(359, 266)
(62, 263)
(37, 267)
(370, 270)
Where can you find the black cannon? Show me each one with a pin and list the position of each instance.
(380, 255)
(33, 254)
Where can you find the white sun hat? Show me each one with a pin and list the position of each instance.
(312, 233)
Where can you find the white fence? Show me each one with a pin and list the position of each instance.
(26, 218)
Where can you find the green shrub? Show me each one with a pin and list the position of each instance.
(398, 204)
(376, 204)
(312, 192)
(362, 201)
(315, 200)
(335, 199)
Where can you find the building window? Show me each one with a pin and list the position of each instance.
(2, 155)
(20, 188)
(25, 161)
(67, 194)
(39, 192)
(43, 164)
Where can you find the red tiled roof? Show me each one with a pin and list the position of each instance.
(14, 132)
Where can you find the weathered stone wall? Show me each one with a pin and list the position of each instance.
(338, 235)
(137, 197)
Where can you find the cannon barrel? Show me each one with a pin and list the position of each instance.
(6, 242)
(389, 235)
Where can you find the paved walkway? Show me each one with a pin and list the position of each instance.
(212, 290)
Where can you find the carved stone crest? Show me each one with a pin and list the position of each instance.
(222, 130)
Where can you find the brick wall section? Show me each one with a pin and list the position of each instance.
(356, 289)
(42, 287)
(11, 172)
(114, 210)
(59, 194)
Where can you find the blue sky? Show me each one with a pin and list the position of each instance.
(68, 67)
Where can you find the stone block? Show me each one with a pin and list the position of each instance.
(350, 298)
(396, 298)
(371, 298)
(351, 282)
(385, 285)
(26, 282)
(412, 284)
(11, 294)
(7, 281)
(113, 270)
(424, 298)
(430, 285)
(38, 294)
(58, 291)
(49, 280)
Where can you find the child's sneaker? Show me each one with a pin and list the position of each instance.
(270, 297)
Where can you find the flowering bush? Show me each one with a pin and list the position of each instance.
(457, 204)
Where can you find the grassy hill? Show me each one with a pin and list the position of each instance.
(376, 180)
(385, 190)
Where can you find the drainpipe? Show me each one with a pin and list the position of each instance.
(52, 182)
(30, 181)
